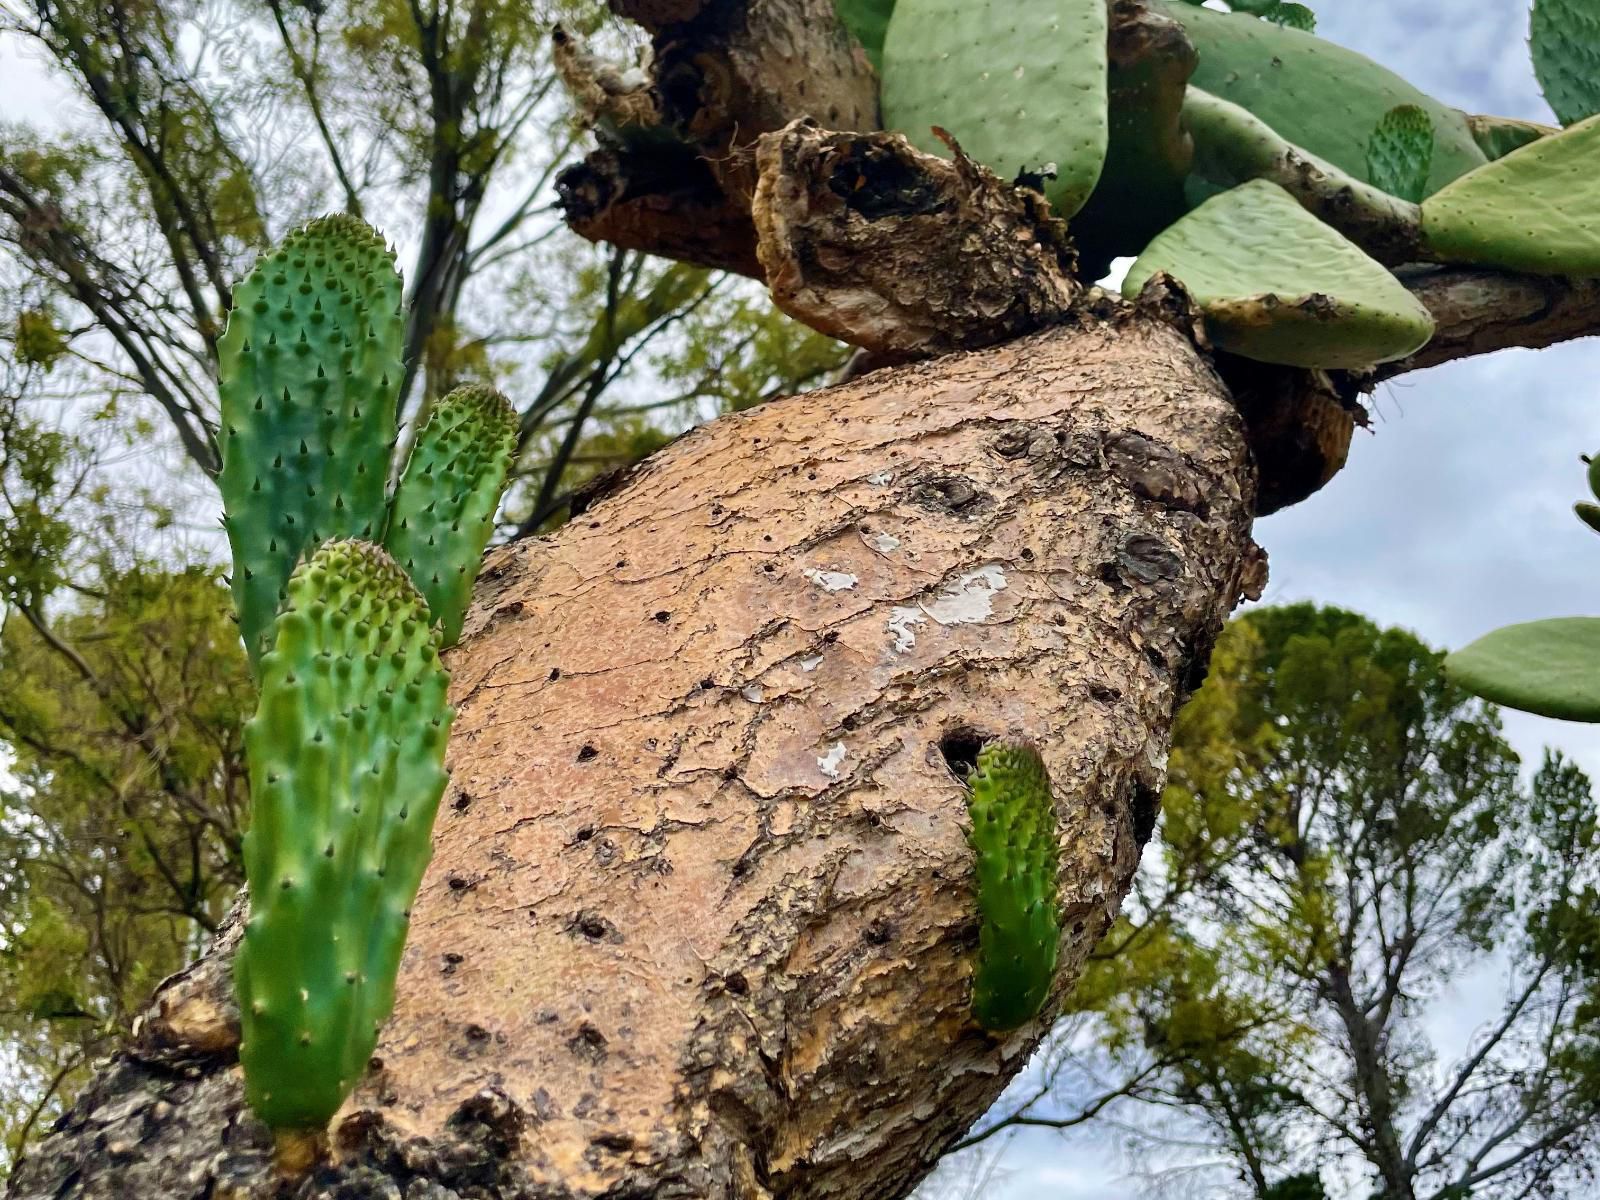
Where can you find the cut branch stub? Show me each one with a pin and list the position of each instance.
(902, 253)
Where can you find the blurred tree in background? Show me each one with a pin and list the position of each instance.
(1345, 855)
(192, 135)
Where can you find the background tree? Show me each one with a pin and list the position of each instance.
(1344, 844)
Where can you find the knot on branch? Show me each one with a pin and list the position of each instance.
(867, 239)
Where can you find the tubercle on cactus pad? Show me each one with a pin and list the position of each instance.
(1014, 843)
(443, 511)
(346, 759)
(309, 371)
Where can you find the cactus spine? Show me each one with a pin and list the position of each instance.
(444, 507)
(346, 758)
(1014, 844)
(309, 371)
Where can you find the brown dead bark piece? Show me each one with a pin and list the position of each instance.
(907, 255)
(699, 921)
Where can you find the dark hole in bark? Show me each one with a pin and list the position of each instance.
(878, 184)
(663, 616)
(555, 674)
(586, 833)
(960, 749)
(588, 753)
(737, 984)
(1146, 804)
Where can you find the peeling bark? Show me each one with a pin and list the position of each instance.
(699, 921)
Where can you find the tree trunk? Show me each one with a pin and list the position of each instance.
(699, 921)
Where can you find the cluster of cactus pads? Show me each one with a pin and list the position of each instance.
(1173, 166)
(1549, 667)
(1014, 847)
(345, 594)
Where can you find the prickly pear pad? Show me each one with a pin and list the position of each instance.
(309, 372)
(346, 757)
(444, 507)
(1314, 93)
(1014, 840)
(1021, 86)
(1564, 37)
(1537, 209)
(1276, 284)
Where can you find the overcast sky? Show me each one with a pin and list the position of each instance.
(1454, 514)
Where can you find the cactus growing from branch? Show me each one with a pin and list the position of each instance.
(1014, 845)
(346, 757)
(445, 503)
(1400, 153)
(309, 372)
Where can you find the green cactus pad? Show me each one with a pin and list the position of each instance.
(1564, 36)
(1499, 136)
(1014, 842)
(444, 507)
(1276, 284)
(1400, 153)
(868, 21)
(309, 371)
(1551, 668)
(1537, 209)
(1022, 87)
(346, 758)
(1314, 93)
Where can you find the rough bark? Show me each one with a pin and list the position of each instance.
(699, 922)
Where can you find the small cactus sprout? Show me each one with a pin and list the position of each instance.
(309, 371)
(1564, 36)
(444, 507)
(1022, 87)
(1314, 93)
(1550, 667)
(1400, 153)
(1014, 842)
(1277, 285)
(868, 21)
(1537, 209)
(346, 758)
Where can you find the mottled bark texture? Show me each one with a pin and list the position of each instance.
(700, 921)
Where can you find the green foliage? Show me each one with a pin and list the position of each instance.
(1344, 829)
(39, 341)
(444, 506)
(1013, 840)
(868, 22)
(1564, 36)
(346, 755)
(1499, 136)
(1400, 153)
(309, 374)
(1276, 284)
(1536, 209)
(1316, 94)
(1021, 87)
(121, 801)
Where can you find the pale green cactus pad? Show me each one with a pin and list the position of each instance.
(1318, 95)
(1564, 36)
(868, 21)
(444, 507)
(1537, 209)
(1022, 87)
(1276, 284)
(346, 758)
(309, 373)
(1014, 842)
(1551, 667)
(1400, 153)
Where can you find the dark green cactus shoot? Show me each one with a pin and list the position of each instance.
(346, 758)
(1400, 153)
(1564, 37)
(1014, 841)
(444, 507)
(309, 370)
